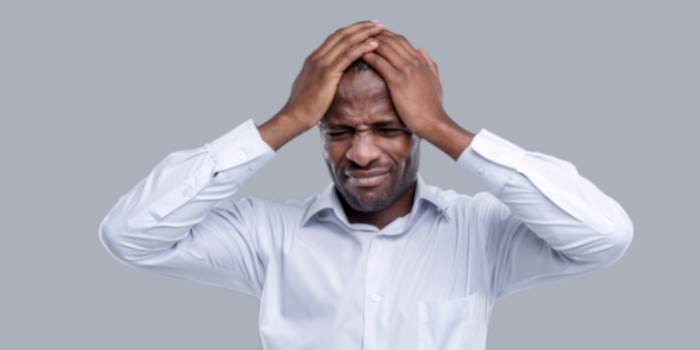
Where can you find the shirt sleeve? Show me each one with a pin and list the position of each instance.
(546, 221)
(169, 224)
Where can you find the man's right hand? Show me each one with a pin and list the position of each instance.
(315, 86)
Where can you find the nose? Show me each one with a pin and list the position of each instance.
(363, 149)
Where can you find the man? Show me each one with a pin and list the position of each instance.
(380, 260)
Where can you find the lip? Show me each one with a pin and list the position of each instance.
(366, 178)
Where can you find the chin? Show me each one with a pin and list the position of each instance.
(368, 204)
(368, 207)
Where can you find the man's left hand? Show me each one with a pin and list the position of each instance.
(414, 85)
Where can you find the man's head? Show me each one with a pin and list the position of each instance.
(372, 157)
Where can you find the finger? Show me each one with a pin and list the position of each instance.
(381, 65)
(350, 40)
(343, 61)
(392, 53)
(402, 41)
(398, 51)
(368, 27)
(429, 61)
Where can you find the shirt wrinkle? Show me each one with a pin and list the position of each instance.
(427, 280)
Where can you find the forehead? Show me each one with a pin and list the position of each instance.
(362, 97)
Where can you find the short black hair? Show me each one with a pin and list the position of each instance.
(358, 66)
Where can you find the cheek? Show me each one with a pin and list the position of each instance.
(333, 154)
(403, 151)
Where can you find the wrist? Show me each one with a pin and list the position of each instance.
(281, 129)
(448, 136)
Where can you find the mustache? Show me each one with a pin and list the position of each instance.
(368, 168)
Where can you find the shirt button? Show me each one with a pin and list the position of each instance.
(548, 192)
(187, 191)
(376, 298)
(480, 170)
(240, 154)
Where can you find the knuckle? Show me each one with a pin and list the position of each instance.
(400, 77)
(354, 51)
(312, 57)
(311, 61)
(323, 71)
(322, 66)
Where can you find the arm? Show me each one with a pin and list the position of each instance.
(164, 223)
(548, 221)
(175, 223)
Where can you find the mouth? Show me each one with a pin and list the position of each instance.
(366, 178)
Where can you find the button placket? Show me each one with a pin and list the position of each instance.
(372, 303)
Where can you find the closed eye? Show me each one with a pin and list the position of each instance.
(390, 131)
(339, 133)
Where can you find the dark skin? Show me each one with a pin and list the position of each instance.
(372, 170)
(371, 155)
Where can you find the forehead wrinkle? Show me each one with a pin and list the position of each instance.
(350, 94)
(361, 98)
(362, 86)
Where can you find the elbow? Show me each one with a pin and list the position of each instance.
(619, 241)
(612, 245)
(113, 235)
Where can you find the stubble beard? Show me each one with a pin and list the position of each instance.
(385, 199)
(381, 202)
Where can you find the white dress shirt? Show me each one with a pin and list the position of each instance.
(427, 280)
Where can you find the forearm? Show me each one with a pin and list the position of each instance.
(281, 129)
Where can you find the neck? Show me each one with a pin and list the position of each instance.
(381, 218)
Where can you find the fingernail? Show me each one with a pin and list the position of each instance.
(373, 43)
(376, 21)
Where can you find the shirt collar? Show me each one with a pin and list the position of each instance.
(328, 201)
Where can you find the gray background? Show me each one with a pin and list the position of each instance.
(94, 93)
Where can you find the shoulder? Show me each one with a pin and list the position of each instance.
(458, 205)
(261, 211)
(450, 199)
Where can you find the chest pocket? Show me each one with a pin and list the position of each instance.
(452, 324)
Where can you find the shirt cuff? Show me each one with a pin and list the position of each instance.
(240, 146)
(490, 160)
